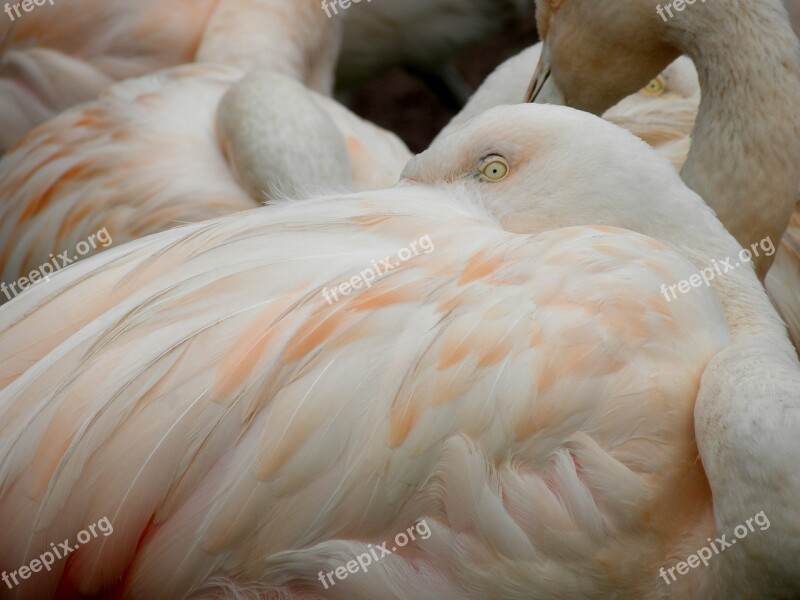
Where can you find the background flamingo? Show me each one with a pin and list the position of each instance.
(153, 153)
(60, 55)
(662, 113)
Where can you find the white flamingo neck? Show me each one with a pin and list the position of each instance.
(278, 141)
(745, 154)
(293, 38)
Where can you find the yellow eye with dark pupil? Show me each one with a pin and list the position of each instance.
(655, 87)
(494, 170)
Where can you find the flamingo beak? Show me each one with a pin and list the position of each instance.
(543, 88)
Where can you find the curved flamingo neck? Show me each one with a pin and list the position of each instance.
(293, 38)
(745, 154)
(278, 140)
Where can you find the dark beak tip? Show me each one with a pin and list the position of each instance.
(536, 85)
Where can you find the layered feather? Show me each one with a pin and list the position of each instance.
(231, 423)
(149, 155)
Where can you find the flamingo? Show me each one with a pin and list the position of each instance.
(62, 54)
(741, 140)
(178, 146)
(522, 386)
(662, 113)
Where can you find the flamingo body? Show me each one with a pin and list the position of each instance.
(524, 387)
(244, 436)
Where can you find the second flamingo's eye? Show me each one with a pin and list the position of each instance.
(655, 87)
(494, 168)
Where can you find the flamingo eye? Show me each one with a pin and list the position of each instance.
(494, 168)
(655, 87)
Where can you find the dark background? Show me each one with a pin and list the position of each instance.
(399, 102)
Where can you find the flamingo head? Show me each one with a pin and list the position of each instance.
(596, 52)
(536, 167)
